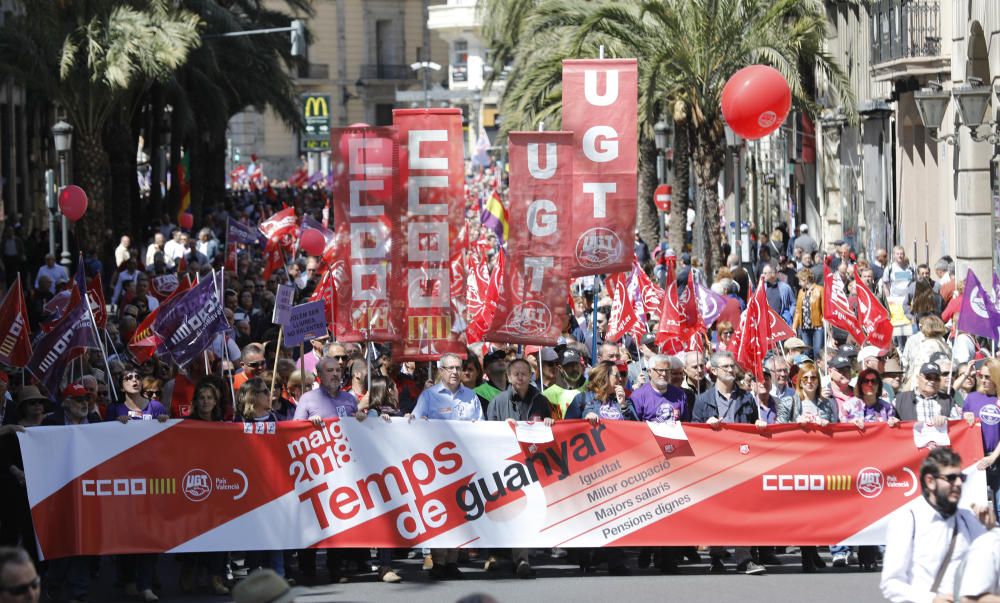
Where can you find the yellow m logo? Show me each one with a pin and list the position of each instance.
(316, 106)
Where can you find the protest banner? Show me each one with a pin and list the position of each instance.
(305, 321)
(531, 307)
(599, 105)
(189, 486)
(283, 304)
(186, 324)
(431, 233)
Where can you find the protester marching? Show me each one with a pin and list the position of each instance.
(486, 367)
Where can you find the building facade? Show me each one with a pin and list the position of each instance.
(360, 56)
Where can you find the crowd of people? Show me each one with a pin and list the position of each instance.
(820, 376)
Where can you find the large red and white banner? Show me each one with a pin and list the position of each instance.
(432, 228)
(532, 304)
(600, 104)
(365, 258)
(186, 486)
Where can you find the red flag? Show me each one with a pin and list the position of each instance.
(163, 286)
(836, 308)
(95, 293)
(478, 270)
(690, 312)
(15, 348)
(280, 224)
(872, 315)
(480, 322)
(144, 341)
(274, 258)
(671, 322)
(623, 319)
(780, 330)
(232, 253)
(650, 294)
(755, 334)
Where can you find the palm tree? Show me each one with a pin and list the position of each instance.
(95, 59)
(687, 50)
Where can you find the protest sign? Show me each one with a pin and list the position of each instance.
(283, 304)
(305, 321)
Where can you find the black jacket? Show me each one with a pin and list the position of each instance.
(906, 405)
(743, 409)
(508, 405)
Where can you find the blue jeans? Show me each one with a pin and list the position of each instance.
(813, 338)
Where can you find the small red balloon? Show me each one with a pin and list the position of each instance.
(312, 242)
(755, 101)
(73, 202)
(186, 220)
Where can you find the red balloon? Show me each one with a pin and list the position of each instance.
(186, 220)
(312, 242)
(378, 155)
(756, 101)
(73, 202)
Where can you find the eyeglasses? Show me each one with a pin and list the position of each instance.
(932, 377)
(130, 376)
(809, 378)
(663, 371)
(726, 367)
(339, 357)
(22, 589)
(149, 393)
(951, 478)
(254, 365)
(450, 368)
(870, 380)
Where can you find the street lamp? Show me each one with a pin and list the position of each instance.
(661, 138)
(735, 143)
(62, 134)
(972, 99)
(426, 67)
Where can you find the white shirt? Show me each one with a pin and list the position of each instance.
(982, 567)
(172, 251)
(916, 543)
(151, 252)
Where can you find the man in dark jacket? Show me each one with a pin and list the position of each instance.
(725, 402)
(75, 408)
(521, 401)
(925, 403)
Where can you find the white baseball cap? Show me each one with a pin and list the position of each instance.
(870, 351)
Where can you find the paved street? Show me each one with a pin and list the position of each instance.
(561, 582)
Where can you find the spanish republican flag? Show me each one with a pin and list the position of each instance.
(495, 217)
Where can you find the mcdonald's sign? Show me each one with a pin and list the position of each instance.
(316, 115)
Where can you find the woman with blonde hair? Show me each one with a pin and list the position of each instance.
(921, 346)
(253, 402)
(983, 404)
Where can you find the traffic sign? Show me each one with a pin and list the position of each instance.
(662, 197)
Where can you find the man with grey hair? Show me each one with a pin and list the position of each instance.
(778, 367)
(328, 400)
(658, 400)
(450, 400)
(694, 372)
(725, 402)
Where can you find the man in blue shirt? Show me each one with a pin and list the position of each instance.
(779, 295)
(450, 400)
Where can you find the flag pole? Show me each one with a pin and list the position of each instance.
(951, 382)
(541, 375)
(274, 373)
(100, 345)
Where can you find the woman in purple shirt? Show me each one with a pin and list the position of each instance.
(984, 405)
(877, 409)
(134, 406)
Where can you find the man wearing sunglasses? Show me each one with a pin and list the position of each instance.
(75, 409)
(18, 579)
(927, 542)
(252, 359)
(925, 403)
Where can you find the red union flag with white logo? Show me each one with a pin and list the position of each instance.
(365, 255)
(189, 486)
(432, 177)
(532, 304)
(600, 100)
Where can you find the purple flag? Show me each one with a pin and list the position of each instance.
(710, 304)
(978, 313)
(187, 323)
(237, 232)
(56, 349)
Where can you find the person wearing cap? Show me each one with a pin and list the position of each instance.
(840, 388)
(794, 346)
(804, 241)
(495, 367)
(572, 383)
(925, 403)
(871, 357)
(75, 408)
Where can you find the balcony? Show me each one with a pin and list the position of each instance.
(906, 39)
(387, 72)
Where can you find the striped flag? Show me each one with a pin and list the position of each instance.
(495, 217)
